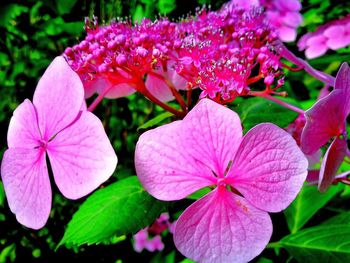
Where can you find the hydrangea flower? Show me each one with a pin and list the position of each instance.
(56, 124)
(332, 35)
(216, 51)
(251, 175)
(326, 120)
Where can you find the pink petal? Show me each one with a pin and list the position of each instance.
(177, 159)
(342, 81)
(222, 227)
(165, 168)
(81, 157)
(312, 176)
(212, 134)
(316, 46)
(154, 244)
(158, 87)
(58, 97)
(336, 37)
(292, 19)
(269, 168)
(178, 81)
(331, 163)
(324, 120)
(27, 185)
(113, 86)
(120, 90)
(140, 240)
(288, 5)
(23, 130)
(287, 33)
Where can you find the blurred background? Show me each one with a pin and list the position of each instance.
(32, 33)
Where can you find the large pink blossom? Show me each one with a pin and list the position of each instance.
(56, 124)
(326, 120)
(255, 174)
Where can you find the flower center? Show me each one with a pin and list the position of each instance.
(221, 182)
(42, 144)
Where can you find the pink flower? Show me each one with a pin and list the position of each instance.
(142, 239)
(326, 120)
(332, 35)
(284, 15)
(255, 174)
(56, 124)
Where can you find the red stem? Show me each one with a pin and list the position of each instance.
(141, 87)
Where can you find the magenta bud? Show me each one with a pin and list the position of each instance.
(269, 79)
(121, 59)
(142, 52)
(156, 53)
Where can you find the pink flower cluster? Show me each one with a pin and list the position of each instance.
(332, 35)
(215, 51)
(149, 238)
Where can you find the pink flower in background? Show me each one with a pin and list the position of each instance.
(283, 15)
(255, 174)
(56, 124)
(326, 120)
(143, 239)
(332, 35)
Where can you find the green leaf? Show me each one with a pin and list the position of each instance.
(342, 218)
(166, 6)
(2, 194)
(120, 208)
(199, 194)
(8, 254)
(320, 244)
(186, 260)
(73, 28)
(257, 110)
(156, 120)
(307, 203)
(139, 14)
(65, 6)
(264, 260)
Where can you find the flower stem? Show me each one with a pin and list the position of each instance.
(173, 90)
(141, 87)
(276, 100)
(321, 76)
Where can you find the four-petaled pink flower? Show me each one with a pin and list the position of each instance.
(326, 120)
(255, 174)
(56, 124)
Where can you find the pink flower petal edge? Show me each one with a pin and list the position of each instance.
(331, 162)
